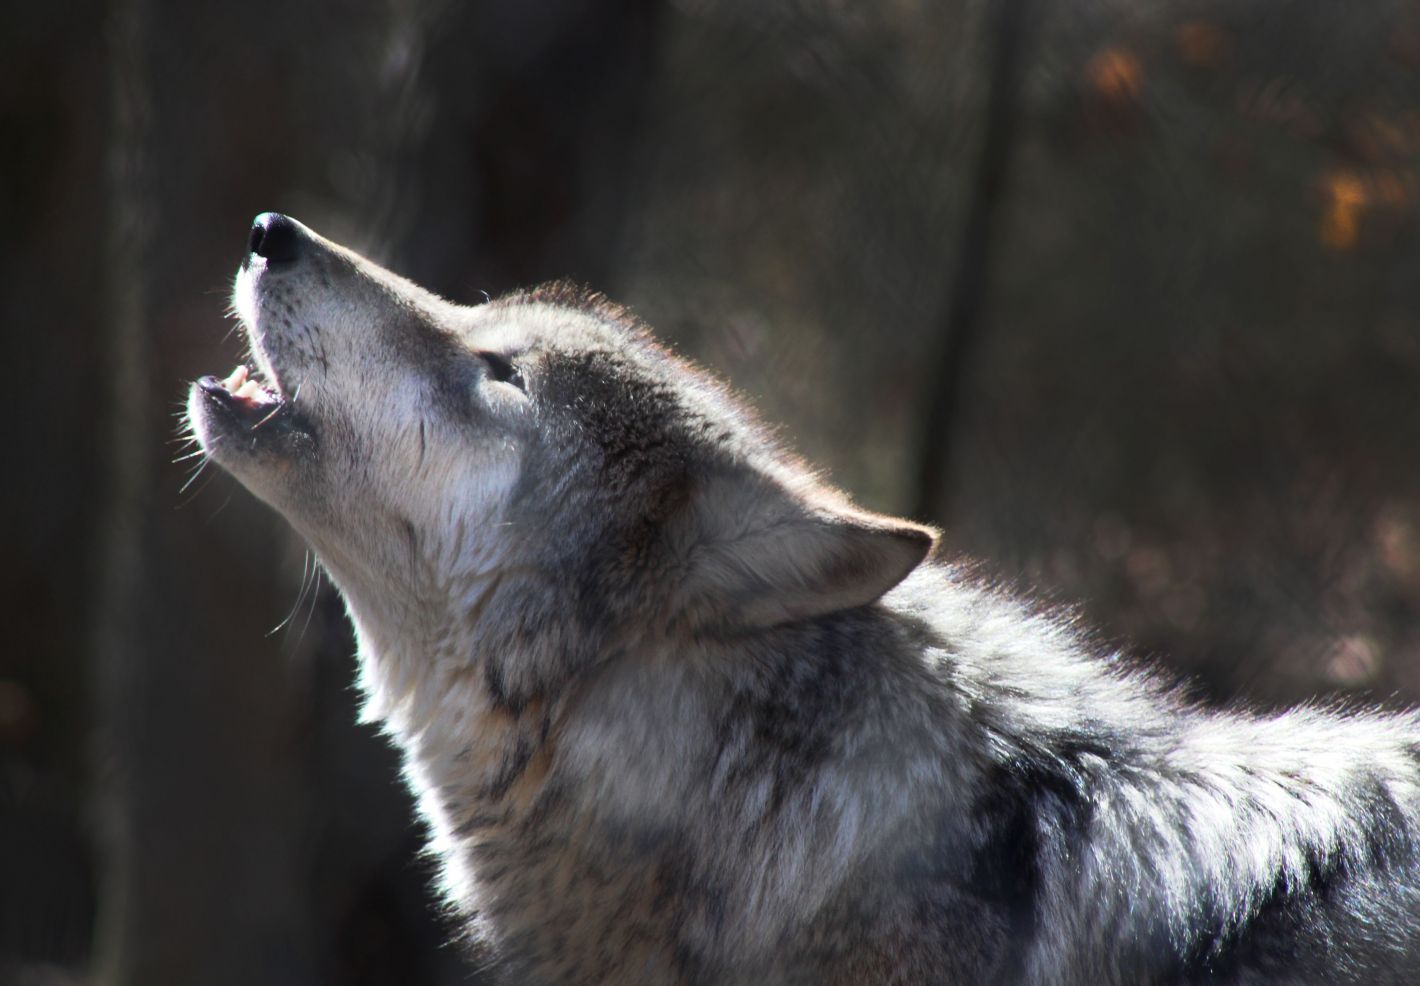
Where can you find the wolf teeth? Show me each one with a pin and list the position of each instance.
(250, 390)
(244, 386)
(238, 378)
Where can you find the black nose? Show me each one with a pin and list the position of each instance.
(275, 237)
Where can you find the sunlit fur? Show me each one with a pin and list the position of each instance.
(677, 712)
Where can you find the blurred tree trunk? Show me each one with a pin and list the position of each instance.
(1009, 27)
(196, 748)
(117, 652)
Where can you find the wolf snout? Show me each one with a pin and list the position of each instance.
(276, 238)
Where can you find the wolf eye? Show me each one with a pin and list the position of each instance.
(501, 368)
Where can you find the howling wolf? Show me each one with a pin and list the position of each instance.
(676, 711)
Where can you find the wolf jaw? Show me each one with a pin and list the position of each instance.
(249, 403)
(244, 395)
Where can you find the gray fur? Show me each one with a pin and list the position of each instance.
(677, 712)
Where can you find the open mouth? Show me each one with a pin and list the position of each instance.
(244, 396)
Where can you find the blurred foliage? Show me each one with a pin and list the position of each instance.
(1190, 404)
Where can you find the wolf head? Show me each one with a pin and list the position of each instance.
(430, 451)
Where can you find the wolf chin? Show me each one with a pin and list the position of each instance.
(676, 711)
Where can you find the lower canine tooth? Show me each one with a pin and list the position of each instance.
(248, 390)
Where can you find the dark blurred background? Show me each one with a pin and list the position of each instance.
(1123, 293)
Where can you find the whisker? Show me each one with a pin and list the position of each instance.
(317, 575)
(195, 493)
(300, 595)
(274, 411)
(220, 508)
(193, 478)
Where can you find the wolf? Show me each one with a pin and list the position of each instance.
(676, 711)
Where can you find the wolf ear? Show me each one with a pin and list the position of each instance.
(760, 554)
